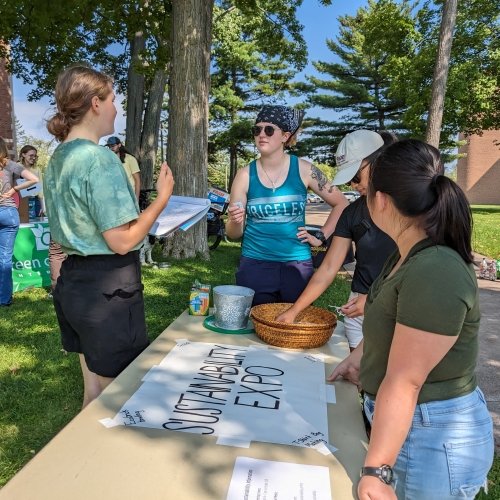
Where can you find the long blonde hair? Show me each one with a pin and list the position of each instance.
(75, 88)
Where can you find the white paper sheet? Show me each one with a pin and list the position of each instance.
(239, 394)
(31, 191)
(266, 480)
(181, 212)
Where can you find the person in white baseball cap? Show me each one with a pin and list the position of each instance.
(355, 153)
(351, 152)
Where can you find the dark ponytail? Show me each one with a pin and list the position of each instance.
(411, 172)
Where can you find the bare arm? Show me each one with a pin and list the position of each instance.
(414, 353)
(319, 184)
(123, 238)
(321, 279)
(235, 224)
(137, 183)
(30, 179)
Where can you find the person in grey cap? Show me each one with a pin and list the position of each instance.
(268, 201)
(354, 155)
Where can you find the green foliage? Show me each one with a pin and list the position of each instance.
(387, 54)
(472, 100)
(257, 50)
(371, 45)
(218, 169)
(46, 37)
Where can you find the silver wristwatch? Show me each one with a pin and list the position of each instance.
(384, 473)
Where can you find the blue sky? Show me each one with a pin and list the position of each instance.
(319, 23)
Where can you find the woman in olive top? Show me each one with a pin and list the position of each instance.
(432, 435)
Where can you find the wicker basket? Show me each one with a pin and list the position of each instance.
(313, 326)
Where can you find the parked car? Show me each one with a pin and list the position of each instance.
(314, 198)
(351, 195)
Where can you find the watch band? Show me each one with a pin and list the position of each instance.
(321, 236)
(384, 473)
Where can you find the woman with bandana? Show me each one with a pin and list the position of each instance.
(268, 202)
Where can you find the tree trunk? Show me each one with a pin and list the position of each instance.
(188, 114)
(233, 164)
(441, 67)
(233, 151)
(149, 138)
(135, 97)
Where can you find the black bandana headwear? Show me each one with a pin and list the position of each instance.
(287, 119)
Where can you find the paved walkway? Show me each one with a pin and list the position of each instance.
(488, 368)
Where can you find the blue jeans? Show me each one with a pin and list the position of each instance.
(448, 451)
(9, 224)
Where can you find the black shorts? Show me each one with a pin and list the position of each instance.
(100, 308)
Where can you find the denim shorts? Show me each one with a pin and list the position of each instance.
(448, 451)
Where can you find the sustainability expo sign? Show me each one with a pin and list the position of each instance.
(30, 262)
(239, 394)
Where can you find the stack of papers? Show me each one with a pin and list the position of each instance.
(181, 212)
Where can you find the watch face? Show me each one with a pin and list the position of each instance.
(387, 474)
(384, 473)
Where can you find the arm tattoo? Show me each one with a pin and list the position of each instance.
(320, 177)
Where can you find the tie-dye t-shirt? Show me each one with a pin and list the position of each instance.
(86, 193)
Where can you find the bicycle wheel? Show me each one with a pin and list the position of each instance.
(213, 241)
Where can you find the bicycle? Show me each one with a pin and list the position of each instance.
(216, 229)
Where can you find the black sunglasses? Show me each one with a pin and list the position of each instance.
(357, 178)
(268, 130)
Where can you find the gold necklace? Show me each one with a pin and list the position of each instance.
(273, 183)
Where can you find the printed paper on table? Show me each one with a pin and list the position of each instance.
(264, 479)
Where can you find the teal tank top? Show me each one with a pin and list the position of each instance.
(273, 218)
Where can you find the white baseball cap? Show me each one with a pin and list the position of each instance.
(352, 150)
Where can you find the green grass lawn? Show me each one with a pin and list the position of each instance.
(486, 233)
(41, 386)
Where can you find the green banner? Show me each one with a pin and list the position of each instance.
(30, 263)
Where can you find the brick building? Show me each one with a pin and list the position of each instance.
(478, 173)
(7, 127)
